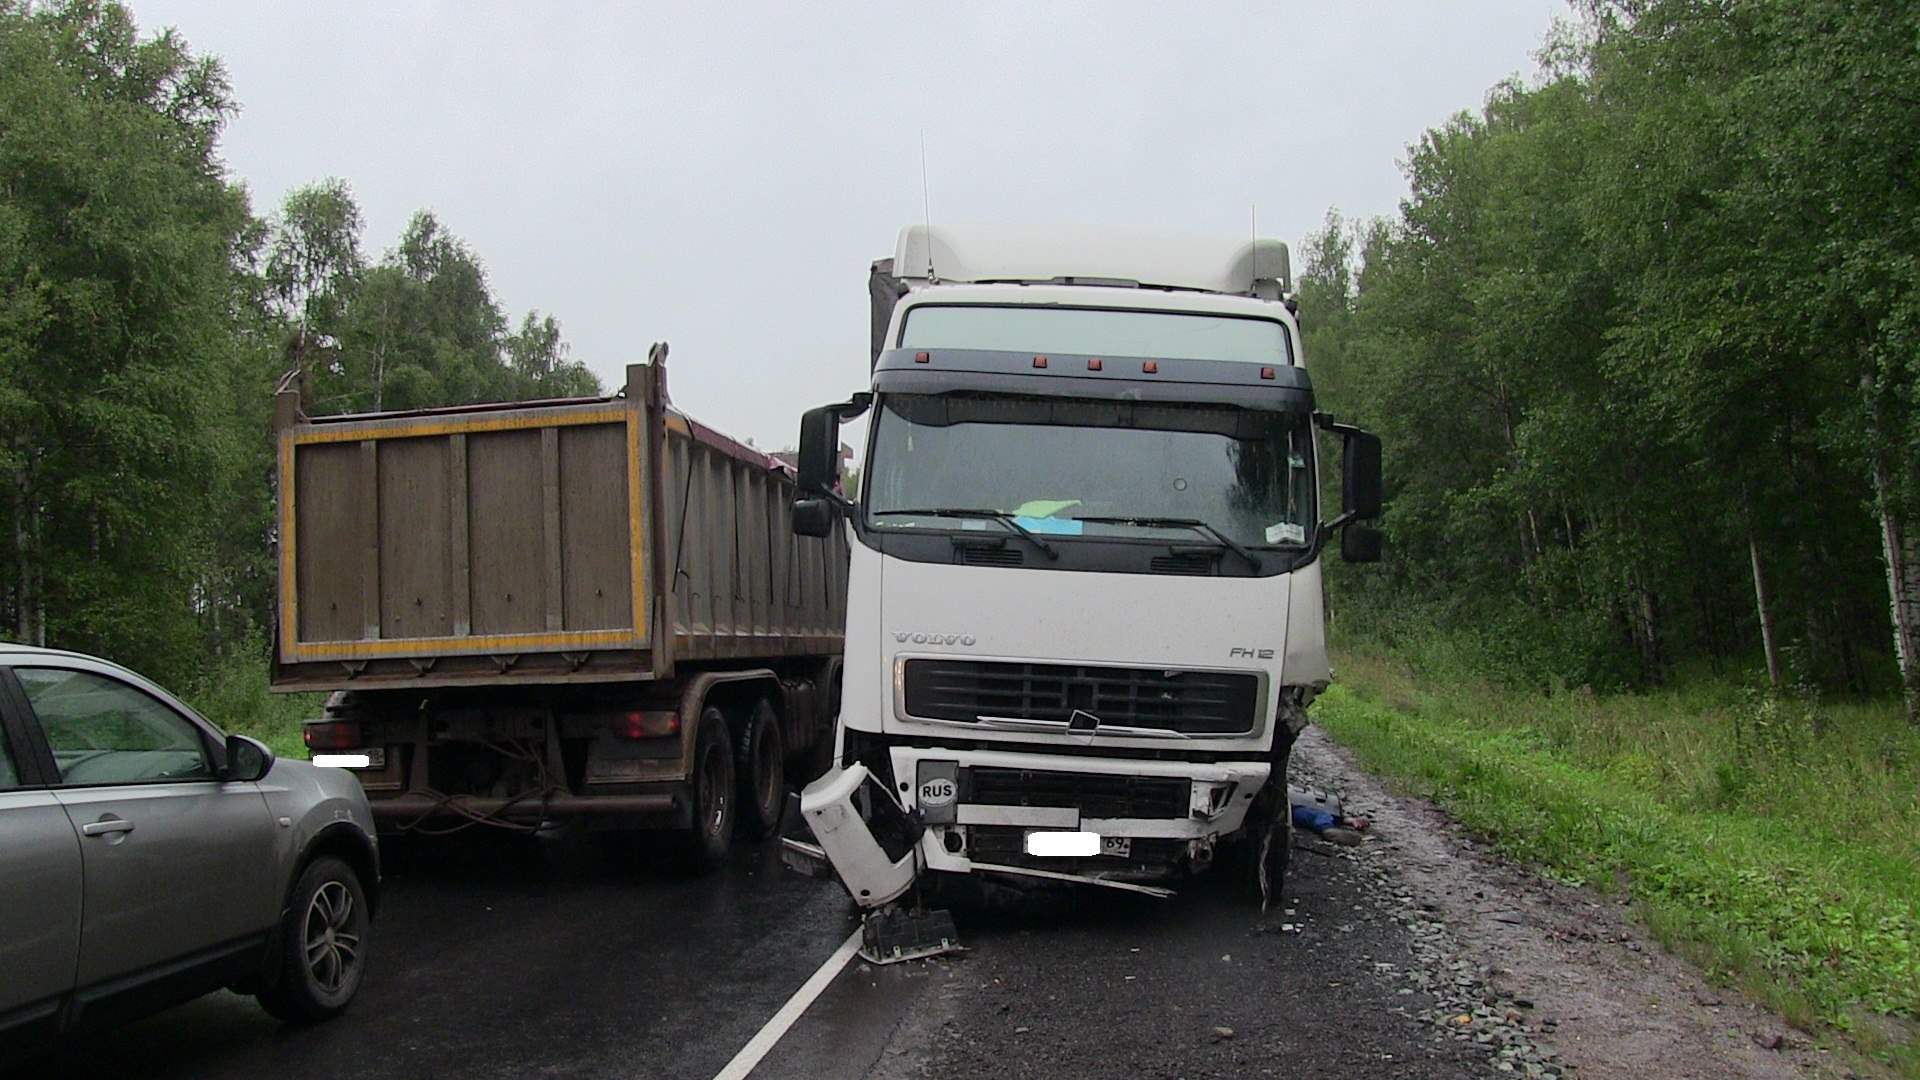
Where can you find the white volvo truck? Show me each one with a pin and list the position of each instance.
(1084, 611)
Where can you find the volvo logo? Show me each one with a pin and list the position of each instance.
(903, 637)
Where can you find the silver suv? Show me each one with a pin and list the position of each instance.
(146, 859)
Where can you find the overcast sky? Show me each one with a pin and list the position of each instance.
(721, 175)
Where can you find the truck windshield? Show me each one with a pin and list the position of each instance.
(1095, 332)
(1056, 464)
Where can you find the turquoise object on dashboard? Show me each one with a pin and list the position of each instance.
(1062, 526)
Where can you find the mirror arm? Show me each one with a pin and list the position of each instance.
(854, 405)
(1328, 528)
(1325, 422)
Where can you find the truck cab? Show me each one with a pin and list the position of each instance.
(1085, 612)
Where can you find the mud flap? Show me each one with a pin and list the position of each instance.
(1273, 824)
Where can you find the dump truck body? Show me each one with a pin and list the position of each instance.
(509, 601)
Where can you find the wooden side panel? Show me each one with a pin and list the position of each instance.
(506, 532)
(416, 595)
(596, 548)
(327, 548)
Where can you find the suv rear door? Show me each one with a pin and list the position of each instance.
(39, 881)
(179, 868)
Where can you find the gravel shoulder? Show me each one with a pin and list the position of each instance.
(1603, 996)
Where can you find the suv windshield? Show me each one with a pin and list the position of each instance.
(1055, 464)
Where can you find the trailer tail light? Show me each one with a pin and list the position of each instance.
(922, 358)
(1093, 364)
(647, 724)
(1040, 361)
(1151, 367)
(1266, 373)
(332, 735)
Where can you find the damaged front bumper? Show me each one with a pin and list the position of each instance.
(974, 811)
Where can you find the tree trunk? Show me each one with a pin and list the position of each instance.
(30, 620)
(22, 561)
(1767, 641)
(1901, 550)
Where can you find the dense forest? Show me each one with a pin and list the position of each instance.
(1643, 343)
(147, 314)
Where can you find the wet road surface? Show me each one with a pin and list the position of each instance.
(508, 957)
(505, 957)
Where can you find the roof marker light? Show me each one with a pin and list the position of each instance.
(1093, 364)
(922, 358)
(1039, 361)
(1266, 373)
(1151, 367)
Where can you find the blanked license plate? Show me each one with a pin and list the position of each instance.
(1119, 847)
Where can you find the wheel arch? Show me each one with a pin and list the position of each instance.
(345, 841)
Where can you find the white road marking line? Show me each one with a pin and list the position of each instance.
(770, 1034)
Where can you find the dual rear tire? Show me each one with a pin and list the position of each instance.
(738, 782)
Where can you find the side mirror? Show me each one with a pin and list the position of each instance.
(247, 759)
(812, 517)
(1360, 544)
(819, 467)
(1360, 475)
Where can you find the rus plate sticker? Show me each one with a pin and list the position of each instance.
(937, 791)
(1286, 532)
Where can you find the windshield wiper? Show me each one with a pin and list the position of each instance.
(1182, 523)
(1000, 516)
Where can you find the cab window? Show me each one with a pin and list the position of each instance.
(102, 731)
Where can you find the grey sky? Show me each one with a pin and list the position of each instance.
(720, 175)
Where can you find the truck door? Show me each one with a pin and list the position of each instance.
(178, 864)
(39, 883)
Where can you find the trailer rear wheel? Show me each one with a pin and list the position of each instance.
(711, 793)
(762, 771)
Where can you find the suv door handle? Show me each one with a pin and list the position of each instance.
(107, 825)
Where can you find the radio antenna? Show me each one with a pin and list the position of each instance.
(926, 204)
(1253, 227)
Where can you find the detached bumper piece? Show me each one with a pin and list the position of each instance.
(876, 868)
(891, 935)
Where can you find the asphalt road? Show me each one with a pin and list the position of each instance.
(504, 957)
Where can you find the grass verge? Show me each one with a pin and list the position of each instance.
(1784, 865)
(232, 692)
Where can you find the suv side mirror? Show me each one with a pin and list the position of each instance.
(812, 517)
(1360, 544)
(1360, 475)
(247, 759)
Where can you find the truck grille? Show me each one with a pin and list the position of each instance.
(1190, 702)
(1097, 795)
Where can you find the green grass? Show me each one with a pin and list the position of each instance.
(232, 692)
(1773, 842)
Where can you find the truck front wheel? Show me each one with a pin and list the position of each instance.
(711, 793)
(763, 778)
